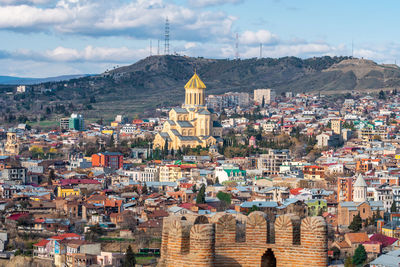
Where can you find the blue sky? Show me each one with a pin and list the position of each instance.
(43, 38)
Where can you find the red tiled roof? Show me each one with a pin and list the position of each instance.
(185, 185)
(295, 191)
(186, 205)
(357, 237)
(64, 236)
(41, 243)
(385, 240)
(17, 216)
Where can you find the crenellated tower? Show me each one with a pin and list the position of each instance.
(212, 241)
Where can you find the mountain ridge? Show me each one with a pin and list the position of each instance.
(12, 80)
(158, 81)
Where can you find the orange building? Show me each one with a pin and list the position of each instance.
(365, 165)
(314, 172)
(345, 188)
(113, 160)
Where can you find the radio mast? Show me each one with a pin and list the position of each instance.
(166, 44)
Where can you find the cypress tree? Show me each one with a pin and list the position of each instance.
(393, 208)
(356, 224)
(129, 260)
(360, 255)
(201, 196)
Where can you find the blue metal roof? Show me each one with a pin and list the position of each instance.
(260, 204)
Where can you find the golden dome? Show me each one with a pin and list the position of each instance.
(195, 83)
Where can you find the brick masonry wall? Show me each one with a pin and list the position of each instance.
(212, 243)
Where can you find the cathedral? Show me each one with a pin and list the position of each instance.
(191, 125)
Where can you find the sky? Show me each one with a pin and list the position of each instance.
(43, 38)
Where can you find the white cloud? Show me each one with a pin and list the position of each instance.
(140, 19)
(28, 2)
(190, 45)
(205, 3)
(94, 54)
(88, 54)
(303, 50)
(261, 36)
(24, 16)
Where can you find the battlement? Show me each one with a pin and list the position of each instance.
(212, 241)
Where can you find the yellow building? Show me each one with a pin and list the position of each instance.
(191, 125)
(68, 191)
(336, 126)
(170, 173)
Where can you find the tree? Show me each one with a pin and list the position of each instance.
(129, 260)
(216, 180)
(253, 208)
(356, 224)
(94, 233)
(225, 198)
(111, 142)
(263, 102)
(194, 189)
(201, 196)
(348, 262)
(336, 253)
(52, 176)
(360, 255)
(144, 190)
(382, 95)
(378, 215)
(165, 151)
(393, 208)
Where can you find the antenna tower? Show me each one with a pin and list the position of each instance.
(166, 44)
(237, 47)
(260, 50)
(151, 49)
(158, 48)
(352, 48)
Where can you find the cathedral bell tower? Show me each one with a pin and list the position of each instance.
(194, 93)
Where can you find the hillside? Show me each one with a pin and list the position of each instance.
(159, 80)
(11, 80)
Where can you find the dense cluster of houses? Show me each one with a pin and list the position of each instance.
(54, 186)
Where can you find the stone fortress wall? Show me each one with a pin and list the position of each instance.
(193, 240)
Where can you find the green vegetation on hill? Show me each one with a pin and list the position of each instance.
(158, 81)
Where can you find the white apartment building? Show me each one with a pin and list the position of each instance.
(384, 193)
(268, 95)
(148, 174)
(270, 163)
